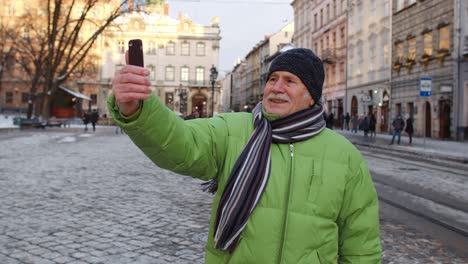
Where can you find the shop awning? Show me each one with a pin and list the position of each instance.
(75, 94)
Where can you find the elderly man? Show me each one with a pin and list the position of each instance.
(288, 190)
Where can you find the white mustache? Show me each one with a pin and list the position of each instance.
(282, 97)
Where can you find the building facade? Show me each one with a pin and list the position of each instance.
(178, 52)
(249, 75)
(303, 21)
(22, 24)
(461, 72)
(423, 64)
(368, 62)
(329, 37)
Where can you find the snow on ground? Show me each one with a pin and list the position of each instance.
(6, 121)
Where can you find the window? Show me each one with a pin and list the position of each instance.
(170, 48)
(372, 52)
(386, 8)
(152, 47)
(169, 73)
(152, 69)
(332, 77)
(169, 100)
(343, 37)
(412, 48)
(121, 46)
(200, 75)
(327, 19)
(342, 71)
(326, 75)
(428, 43)
(400, 5)
(321, 46)
(93, 99)
(373, 5)
(343, 6)
(360, 56)
(334, 41)
(350, 61)
(321, 17)
(359, 18)
(185, 49)
(184, 74)
(24, 97)
(315, 22)
(200, 49)
(386, 50)
(9, 97)
(316, 47)
(334, 8)
(444, 38)
(26, 33)
(399, 51)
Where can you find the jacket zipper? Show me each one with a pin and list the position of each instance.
(291, 151)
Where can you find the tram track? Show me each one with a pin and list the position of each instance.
(432, 189)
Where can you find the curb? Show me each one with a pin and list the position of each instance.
(8, 129)
(458, 159)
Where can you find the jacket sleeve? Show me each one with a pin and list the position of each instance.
(359, 239)
(196, 147)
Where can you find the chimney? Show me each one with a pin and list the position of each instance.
(179, 16)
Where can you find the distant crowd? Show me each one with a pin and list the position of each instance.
(367, 124)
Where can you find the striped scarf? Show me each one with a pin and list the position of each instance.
(251, 171)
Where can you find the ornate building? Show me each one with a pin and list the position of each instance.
(248, 77)
(423, 59)
(178, 52)
(368, 74)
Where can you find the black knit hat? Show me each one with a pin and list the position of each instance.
(304, 64)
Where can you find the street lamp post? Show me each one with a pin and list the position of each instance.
(213, 77)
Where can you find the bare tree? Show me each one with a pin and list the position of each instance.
(7, 50)
(30, 49)
(61, 42)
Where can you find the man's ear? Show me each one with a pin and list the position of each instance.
(312, 102)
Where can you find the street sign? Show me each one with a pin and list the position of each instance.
(425, 86)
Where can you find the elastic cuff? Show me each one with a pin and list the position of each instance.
(132, 117)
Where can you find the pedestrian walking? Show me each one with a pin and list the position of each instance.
(372, 124)
(330, 120)
(94, 117)
(364, 125)
(86, 117)
(270, 169)
(409, 129)
(354, 123)
(398, 125)
(347, 118)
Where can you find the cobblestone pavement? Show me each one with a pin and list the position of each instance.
(71, 197)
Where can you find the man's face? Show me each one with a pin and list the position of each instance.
(285, 94)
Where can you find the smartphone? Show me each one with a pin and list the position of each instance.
(135, 52)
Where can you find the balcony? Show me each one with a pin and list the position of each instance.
(329, 56)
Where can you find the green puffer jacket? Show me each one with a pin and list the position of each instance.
(320, 205)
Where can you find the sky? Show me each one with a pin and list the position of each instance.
(243, 23)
